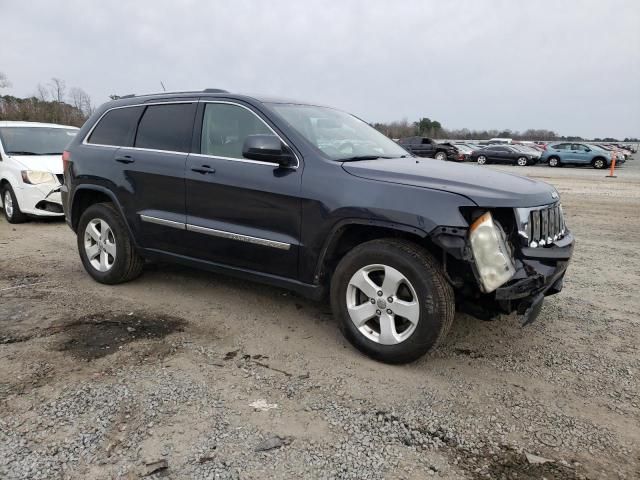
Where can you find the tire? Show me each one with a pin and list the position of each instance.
(599, 163)
(427, 298)
(482, 160)
(117, 260)
(522, 162)
(441, 156)
(12, 211)
(554, 162)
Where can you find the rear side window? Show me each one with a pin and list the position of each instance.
(117, 127)
(166, 127)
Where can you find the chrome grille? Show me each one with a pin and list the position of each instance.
(545, 226)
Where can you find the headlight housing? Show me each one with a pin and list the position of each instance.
(490, 253)
(35, 177)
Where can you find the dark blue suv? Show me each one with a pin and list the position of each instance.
(315, 200)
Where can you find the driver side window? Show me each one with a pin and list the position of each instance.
(225, 128)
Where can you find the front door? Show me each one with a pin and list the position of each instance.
(240, 213)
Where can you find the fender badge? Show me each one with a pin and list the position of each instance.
(554, 194)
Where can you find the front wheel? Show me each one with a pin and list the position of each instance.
(522, 162)
(554, 162)
(12, 211)
(392, 300)
(105, 248)
(482, 160)
(599, 163)
(441, 156)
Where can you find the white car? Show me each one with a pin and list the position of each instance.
(31, 168)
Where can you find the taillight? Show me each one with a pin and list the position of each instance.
(66, 158)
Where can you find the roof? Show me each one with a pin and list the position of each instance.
(8, 123)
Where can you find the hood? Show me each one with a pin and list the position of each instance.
(485, 187)
(47, 163)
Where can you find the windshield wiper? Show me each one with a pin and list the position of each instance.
(366, 157)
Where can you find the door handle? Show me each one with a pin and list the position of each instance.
(204, 169)
(125, 159)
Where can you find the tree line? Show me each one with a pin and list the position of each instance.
(52, 102)
(425, 127)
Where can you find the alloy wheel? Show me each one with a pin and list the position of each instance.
(482, 159)
(599, 163)
(8, 203)
(522, 162)
(440, 156)
(100, 245)
(553, 162)
(382, 304)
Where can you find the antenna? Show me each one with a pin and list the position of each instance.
(163, 89)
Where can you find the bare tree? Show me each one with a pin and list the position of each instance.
(58, 89)
(81, 100)
(4, 81)
(42, 93)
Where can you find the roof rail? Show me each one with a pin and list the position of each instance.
(215, 90)
(131, 95)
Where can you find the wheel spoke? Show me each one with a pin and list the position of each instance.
(93, 232)
(388, 333)
(110, 248)
(104, 230)
(92, 251)
(392, 280)
(104, 265)
(360, 314)
(362, 281)
(408, 310)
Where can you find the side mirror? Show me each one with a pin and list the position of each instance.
(267, 148)
(588, 149)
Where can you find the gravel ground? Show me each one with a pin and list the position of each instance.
(186, 374)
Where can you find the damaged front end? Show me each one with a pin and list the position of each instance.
(508, 260)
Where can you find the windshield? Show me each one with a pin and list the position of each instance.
(35, 140)
(338, 135)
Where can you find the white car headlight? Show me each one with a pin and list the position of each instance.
(35, 177)
(493, 259)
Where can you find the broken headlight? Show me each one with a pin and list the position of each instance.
(493, 259)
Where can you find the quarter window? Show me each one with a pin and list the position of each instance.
(117, 127)
(225, 128)
(166, 127)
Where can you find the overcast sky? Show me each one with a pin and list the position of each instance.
(570, 66)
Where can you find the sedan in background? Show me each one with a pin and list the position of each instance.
(464, 151)
(31, 168)
(502, 154)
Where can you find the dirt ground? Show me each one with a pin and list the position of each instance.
(188, 374)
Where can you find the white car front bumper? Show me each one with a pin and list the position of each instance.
(42, 200)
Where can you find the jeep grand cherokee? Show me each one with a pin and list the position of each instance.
(312, 199)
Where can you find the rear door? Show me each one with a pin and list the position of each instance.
(154, 173)
(240, 212)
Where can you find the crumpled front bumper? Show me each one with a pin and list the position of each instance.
(539, 273)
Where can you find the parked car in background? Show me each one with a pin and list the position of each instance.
(535, 153)
(246, 186)
(500, 141)
(31, 168)
(464, 151)
(569, 153)
(427, 147)
(502, 154)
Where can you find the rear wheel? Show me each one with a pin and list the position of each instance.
(12, 211)
(522, 162)
(599, 163)
(105, 248)
(392, 300)
(554, 162)
(482, 160)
